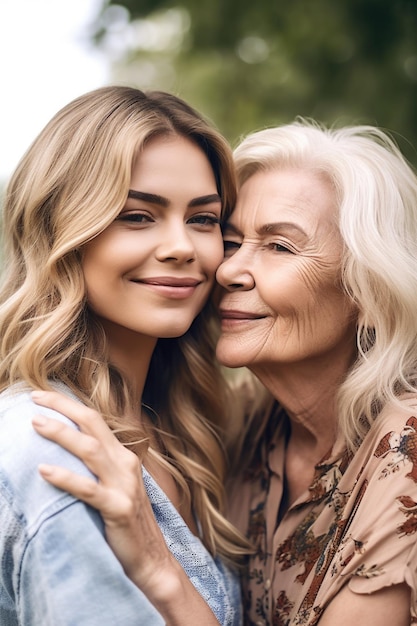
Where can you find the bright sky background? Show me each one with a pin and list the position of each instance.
(45, 61)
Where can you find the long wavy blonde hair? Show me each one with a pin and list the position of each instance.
(376, 190)
(69, 186)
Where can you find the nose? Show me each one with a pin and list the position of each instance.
(176, 245)
(235, 274)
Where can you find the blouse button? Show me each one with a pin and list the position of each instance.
(267, 584)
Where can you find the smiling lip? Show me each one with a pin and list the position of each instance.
(170, 286)
(170, 281)
(239, 316)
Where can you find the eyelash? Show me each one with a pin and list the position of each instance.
(140, 218)
(209, 220)
(230, 246)
(279, 247)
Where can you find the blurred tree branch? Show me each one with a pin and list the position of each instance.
(249, 64)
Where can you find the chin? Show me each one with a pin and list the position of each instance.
(173, 333)
(229, 358)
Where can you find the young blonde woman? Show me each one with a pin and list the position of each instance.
(111, 234)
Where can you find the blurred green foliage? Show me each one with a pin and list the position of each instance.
(249, 64)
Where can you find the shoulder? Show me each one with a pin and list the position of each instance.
(22, 488)
(385, 466)
(19, 443)
(395, 427)
(405, 407)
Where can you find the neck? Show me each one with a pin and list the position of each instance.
(308, 393)
(131, 354)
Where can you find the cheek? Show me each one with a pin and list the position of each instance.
(325, 312)
(99, 271)
(95, 269)
(110, 254)
(283, 290)
(97, 253)
(304, 300)
(306, 287)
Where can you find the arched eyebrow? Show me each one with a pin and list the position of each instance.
(275, 227)
(267, 229)
(154, 198)
(213, 198)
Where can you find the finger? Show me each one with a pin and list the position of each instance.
(66, 436)
(81, 487)
(89, 449)
(111, 462)
(87, 419)
(115, 505)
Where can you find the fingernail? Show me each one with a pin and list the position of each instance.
(37, 394)
(44, 469)
(39, 420)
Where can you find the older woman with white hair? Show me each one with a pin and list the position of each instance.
(320, 304)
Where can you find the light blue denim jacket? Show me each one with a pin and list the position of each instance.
(56, 567)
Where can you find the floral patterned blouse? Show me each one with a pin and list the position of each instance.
(356, 525)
